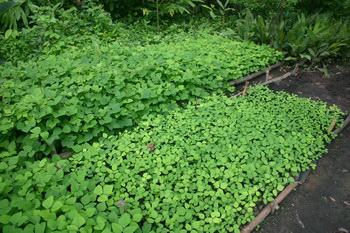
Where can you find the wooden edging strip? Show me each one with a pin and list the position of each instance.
(269, 208)
(332, 125)
(245, 89)
(294, 72)
(255, 75)
(284, 76)
(345, 123)
(274, 204)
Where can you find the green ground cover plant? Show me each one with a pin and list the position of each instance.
(203, 168)
(54, 29)
(58, 102)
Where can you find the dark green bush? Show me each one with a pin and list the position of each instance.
(266, 7)
(14, 13)
(55, 29)
(61, 101)
(338, 8)
(313, 38)
(151, 9)
(204, 168)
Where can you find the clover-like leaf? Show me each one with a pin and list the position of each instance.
(47, 203)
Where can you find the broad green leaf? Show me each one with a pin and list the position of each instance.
(98, 190)
(78, 220)
(124, 220)
(47, 203)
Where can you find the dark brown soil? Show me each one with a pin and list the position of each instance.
(322, 203)
(334, 89)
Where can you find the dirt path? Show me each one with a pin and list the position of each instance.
(322, 203)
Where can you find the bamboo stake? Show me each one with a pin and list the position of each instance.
(255, 75)
(269, 208)
(332, 125)
(244, 92)
(267, 76)
(345, 123)
(294, 72)
(286, 75)
(245, 88)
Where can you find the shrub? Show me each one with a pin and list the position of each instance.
(13, 13)
(58, 102)
(338, 8)
(310, 38)
(203, 168)
(153, 9)
(267, 7)
(55, 29)
(317, 38)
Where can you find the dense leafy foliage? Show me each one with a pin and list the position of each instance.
(13, 12)
(57, 102)
(201, 169)
(17, 12)
(281, 24)
(338, 8)
(75, 83)
(267, 7)
(56, 29)
(313, 38)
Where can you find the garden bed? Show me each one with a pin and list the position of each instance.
(123, 121)
(55, 102)
(320, 205)
(333, 89)
(204, 168)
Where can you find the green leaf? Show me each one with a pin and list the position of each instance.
(131, 229)
(5, 219)
(280, 187)
(90, 212)
(98, 190)
(108, 189)
(48, 202)
(100, 223)
(56, 206)
(5, 206)
(124, 220)
(137, 217)
(116, 228)
(78, 220)
(40, 227)
(7, 5)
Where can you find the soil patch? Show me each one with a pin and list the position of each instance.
(334, 89)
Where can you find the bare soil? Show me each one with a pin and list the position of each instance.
(322, 203)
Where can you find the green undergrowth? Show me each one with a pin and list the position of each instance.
(54, 104)
(54, 30)
(203, 168)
